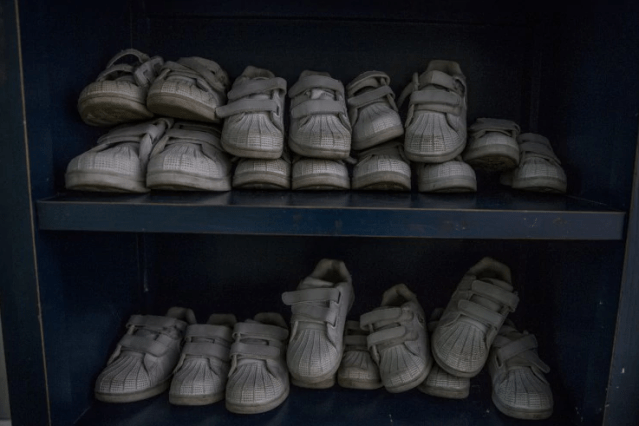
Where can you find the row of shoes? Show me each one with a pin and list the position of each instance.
(249, 363)
(325, 119)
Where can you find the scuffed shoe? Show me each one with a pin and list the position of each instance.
(398, 340)
(451, 176)
(254, 115)
(436, 122)
(201, 373)
(320, 174)
(252, 173)
(189, 158)
(473, 317)
(520, 389)
(492, 145)
(439, 383)
(320, 127)
(539, 168)
(142, 363)
(119, 93)
(190, 89)
(357, 369)
(383, 167)
(118, 162)
(372, 110)
(319, 305)
(258, 379)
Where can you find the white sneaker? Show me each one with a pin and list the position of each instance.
(190, 89)
(319, 305)
(539, 168)
(357, 369)
(200, 376)
(493, 145)
(119, 93)
(474, 315)
(258, 379)
(398, 340)
(252, 173)
(320, 127)
(118, 162)
(142, 363)
(520, 389)
(319, 174)
(436, 122)
(372, 110)
(254, 115)
(189, 158)
(451, 176)
(383, 167)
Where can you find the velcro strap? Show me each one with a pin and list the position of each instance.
(386, 314)
(255, 351)
(436, 100)
(246, 105)
(438, 78)
(126, 134)
(126, 68)
(539, 149)
(368, 78)
(480, 313)
(142, 57)
(265, 331)
(152, 321)
(193, 135)
(252, 87)
(146, 73)
(495, 293)
(311, 295)
(352, 325)
(206, 349)
(383, 336)
(207, 69)
(143, 345)
(317, 106)
(370, 96)
(209, 331)
(516, 347)
(316, 82)
(484, 125)
(318, 313)
(355, 340)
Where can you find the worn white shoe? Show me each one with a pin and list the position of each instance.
(398, 340)
(539, 168)
(142, 364)
(320, 174)
(119, 161)
(436, 122)
(476, 311)
(119, 93)
(383, 167)
(319, 305)
(258, 379)
(439, 383)
(451, 176)
(357, 369)
(201, 373)
(252, 173)
(492, 145)
(320, 127)
(520, 389)
(372, 110)
(254, 115)
(190, 89)
(189, 158)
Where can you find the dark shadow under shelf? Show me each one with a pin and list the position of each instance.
(487, 215)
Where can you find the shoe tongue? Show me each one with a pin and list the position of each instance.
(310, 282)
(253, 340)
(321, 94)
(493, 306)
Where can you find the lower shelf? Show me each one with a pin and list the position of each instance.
(335, 406)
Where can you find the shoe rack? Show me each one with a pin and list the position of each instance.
(77, 265)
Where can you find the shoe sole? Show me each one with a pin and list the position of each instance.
(456, 373)
(195, 400)
(322, 182)
(179, 106)
(108, 105)
(253, 153)
(520, 414)
(132, 397)
(493, 158)
(444, 393)
(414, 383)
(434, 159)
(447, 185)
(102, 182)
(261, 180)
(176, 181)
(382, 181)
(540, 184)
(358, 384)
(378, 138)
(328, 154)
(255, 409)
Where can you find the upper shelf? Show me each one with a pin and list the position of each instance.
(487, 215)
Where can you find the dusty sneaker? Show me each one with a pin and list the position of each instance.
(357, 369)
(320, 174)
(492, 145)
(398, 339)
(253, 173)
(473, 317)
(319, 305)
(451, 176)
(383, 167)
(520, 389)
(142, 364)
(119, 93)
(258, 379)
